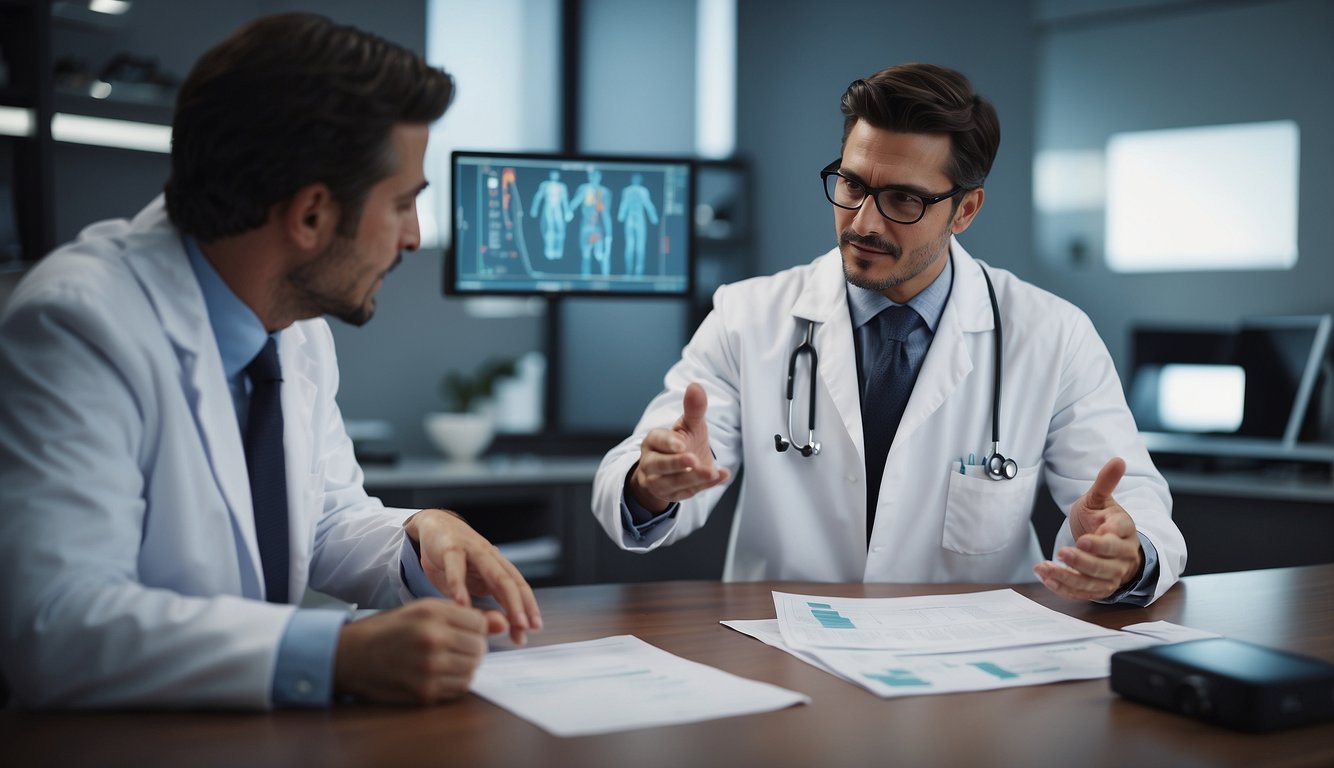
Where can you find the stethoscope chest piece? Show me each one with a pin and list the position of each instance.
(1001, 468)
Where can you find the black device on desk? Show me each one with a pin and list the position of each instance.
(1235, 684)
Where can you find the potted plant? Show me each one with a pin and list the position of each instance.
(465, 430)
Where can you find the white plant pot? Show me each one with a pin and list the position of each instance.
(460, 436)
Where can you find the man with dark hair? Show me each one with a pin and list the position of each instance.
(174, 470)
(922, 466)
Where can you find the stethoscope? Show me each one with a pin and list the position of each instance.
(998, 467)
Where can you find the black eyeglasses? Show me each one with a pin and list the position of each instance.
(894, 203)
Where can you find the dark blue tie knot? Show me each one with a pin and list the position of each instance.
(897, 322)
(265, 366)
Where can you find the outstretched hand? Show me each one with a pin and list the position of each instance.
(1107, 553)
(677, 463)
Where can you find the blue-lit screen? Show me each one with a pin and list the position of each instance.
(547, 224)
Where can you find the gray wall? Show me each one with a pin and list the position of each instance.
(1193, 64)
(391, 368)
(636, 96)
(1188, 62)
(1088, 68)
(795, 59)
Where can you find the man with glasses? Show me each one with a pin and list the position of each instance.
(900, 341)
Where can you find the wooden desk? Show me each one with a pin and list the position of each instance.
(1076, 723)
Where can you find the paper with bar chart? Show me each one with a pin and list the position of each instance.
(891, 673)
(617, 683)
(971, 621)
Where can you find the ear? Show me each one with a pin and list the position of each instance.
(309, 218)
(972, 203)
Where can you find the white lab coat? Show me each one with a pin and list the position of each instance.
(1062, 416)
(129, 570)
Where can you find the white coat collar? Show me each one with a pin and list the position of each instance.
(824, 300)
(824, 297)
(158, 260)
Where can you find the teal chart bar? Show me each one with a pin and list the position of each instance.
(830, 618)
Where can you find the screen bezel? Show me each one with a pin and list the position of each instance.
(450, 275)
(1321, 327)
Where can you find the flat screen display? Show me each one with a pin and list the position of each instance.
(545, 224)
(1257, 381)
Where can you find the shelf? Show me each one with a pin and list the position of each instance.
(512, 471)
(79, 15)
(1250, 485)
(1223, 446)
(138, 110)
(16, 97)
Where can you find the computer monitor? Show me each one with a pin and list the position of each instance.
(1259, 380)
(1282, 358)
(548, 224)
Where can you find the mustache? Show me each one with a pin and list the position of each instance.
(848, 237)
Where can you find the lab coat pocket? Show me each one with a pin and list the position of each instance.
(984, 515)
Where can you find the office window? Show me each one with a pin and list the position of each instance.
(504, 56)
(1221, 197)
(715, 79)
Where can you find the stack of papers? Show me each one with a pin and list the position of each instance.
(911, 646)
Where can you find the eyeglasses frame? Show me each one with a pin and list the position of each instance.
(874, 192)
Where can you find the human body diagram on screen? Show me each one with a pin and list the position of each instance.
(592, 201)
(537, 221)
(553, 202)
(636, 207)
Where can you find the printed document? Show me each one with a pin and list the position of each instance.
(615, 684)
(972, 621)
(889, 675)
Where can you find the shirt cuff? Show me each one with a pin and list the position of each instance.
(1141, 592)
(410, 570)
(631, 511)
(303, 674)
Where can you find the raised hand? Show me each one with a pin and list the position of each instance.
(1107, 553)
(677, 463)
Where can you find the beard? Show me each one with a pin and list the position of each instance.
(327, 285)
(908, 267)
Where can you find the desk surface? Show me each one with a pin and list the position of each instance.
(1075, 723)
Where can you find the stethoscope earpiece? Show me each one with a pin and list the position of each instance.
(780, 444)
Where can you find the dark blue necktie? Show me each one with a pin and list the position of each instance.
(888, 386)
(264, 460)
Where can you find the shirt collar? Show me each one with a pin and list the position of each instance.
(237, 328)
(864, 304)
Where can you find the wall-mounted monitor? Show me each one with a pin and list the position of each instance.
(547, 224)
(1258, 381)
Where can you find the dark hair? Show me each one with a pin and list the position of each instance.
(925, 98)
(286, 101)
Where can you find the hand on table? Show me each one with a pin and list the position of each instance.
(461, 563)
